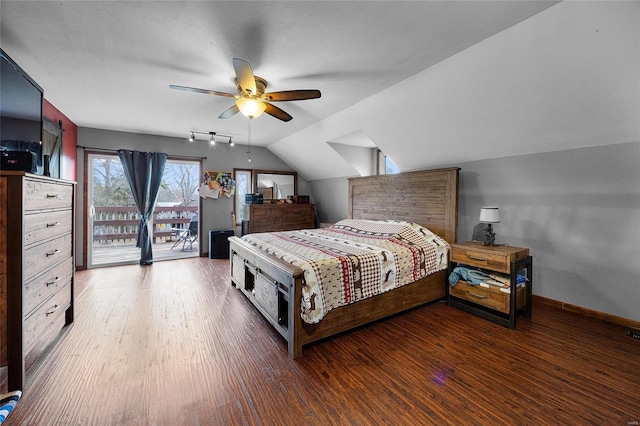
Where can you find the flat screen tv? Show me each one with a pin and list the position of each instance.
(21, 110)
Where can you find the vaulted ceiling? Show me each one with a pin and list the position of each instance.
(109, 64)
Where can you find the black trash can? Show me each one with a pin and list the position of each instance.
(219, 243)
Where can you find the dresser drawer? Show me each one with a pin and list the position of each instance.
(49, 335)
(47, 314)
(40, 195)
(490, 297)
(42, 226)
(44, 286)
(495, 258)
(474, 257)
(41, 257)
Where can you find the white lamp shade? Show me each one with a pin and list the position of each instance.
(489, 214)
(250, 108)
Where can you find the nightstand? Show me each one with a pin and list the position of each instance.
(493, 303)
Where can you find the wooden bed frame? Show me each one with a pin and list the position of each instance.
(428, 197)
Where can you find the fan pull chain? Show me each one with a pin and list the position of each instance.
(249, 143)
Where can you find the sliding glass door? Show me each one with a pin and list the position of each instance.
(113, 218)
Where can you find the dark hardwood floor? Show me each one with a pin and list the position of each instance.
(175, 344)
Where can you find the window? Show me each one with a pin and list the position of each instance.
(389, 166)
(244, 185)
(385, 165)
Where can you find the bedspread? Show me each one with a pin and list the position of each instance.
(354, 259)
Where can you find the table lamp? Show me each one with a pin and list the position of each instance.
(489, 215)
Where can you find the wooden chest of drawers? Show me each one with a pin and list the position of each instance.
(281, 217)
(37, 264)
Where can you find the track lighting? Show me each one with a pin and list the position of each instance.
(212, 136)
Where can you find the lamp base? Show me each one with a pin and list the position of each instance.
(489, 236)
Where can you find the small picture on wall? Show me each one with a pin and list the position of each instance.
(217, 185)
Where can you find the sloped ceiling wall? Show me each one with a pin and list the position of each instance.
(565, 78)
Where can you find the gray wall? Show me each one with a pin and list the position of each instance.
(331, 197)
(578, 211)
(215, 214)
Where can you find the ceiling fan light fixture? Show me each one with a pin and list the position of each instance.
(251, 108)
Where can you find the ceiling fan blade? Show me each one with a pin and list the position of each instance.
(291, 95)
(230, 112)
(245, 77)
(205, 91)
(277, 112)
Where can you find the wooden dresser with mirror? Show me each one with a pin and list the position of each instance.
(276, 212)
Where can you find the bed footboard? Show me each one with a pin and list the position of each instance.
(271, 285)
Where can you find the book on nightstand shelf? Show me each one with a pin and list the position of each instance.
(501, 281)
(502, 288)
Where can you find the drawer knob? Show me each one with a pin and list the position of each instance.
(49, 225)
(476, 295)
(51, 253)
(53, 196)
(52, 311)
(55, 280)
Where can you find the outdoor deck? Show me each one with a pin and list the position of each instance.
(115, 230)
(126, 251)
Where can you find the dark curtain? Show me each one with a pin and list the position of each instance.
(144, 173)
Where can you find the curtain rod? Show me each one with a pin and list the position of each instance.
(115, 150)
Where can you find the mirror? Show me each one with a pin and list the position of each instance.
(51, 147)
(274, 184)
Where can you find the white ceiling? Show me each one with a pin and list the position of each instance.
(109, 64)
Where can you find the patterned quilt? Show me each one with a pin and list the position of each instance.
(354, 259)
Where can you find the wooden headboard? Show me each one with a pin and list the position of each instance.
(427, 197)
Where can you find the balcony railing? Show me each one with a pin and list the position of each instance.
(121, 223)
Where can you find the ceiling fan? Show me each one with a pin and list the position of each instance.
(251, 99)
